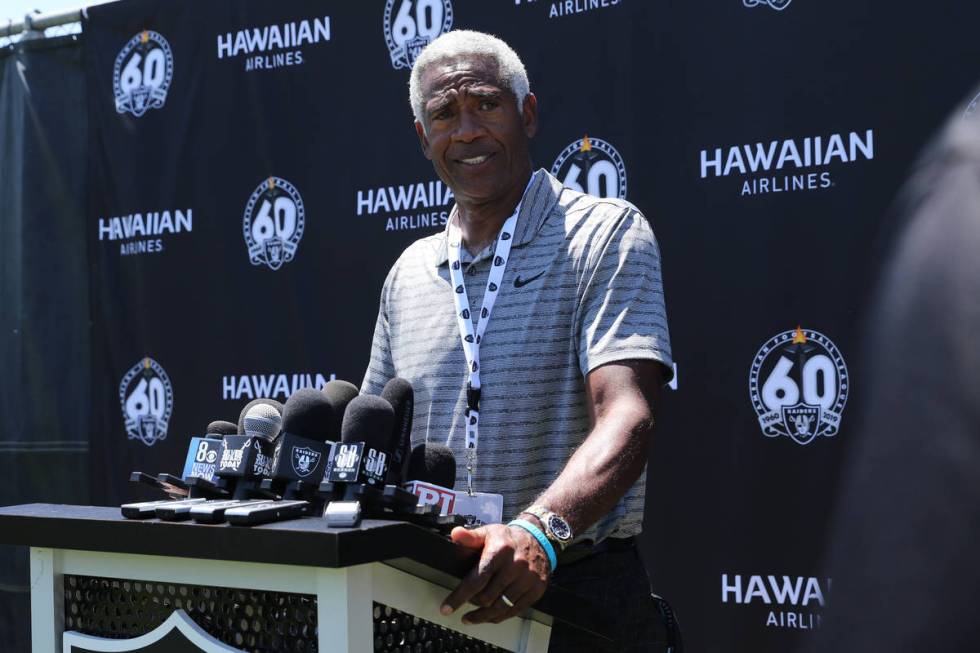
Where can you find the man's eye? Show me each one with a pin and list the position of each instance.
(441, 114)
(487, 105)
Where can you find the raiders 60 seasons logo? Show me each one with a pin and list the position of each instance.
(798, 385)
(142, 73)
(147, 399)
(592, 166)
(273, 223)
(410, 25)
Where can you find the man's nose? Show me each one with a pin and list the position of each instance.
(469, 127)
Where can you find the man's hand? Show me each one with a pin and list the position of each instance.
(512, 564)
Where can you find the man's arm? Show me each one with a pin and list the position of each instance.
(622, 397)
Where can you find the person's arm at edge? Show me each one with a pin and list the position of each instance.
(622, 397)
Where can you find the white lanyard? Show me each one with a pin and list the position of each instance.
(471, 340)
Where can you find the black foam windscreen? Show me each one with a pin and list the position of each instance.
(241, 416)
(339, 394)
(309, 414)
(368, 419)
(221, 427)
(401, 396)
(432, 463)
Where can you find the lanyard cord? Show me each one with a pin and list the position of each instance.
(469, 338)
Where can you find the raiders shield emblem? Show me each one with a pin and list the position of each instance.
(305, 460)
(801, 422)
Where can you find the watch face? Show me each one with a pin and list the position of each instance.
(559, 528)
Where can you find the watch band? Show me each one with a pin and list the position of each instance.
(545, 516)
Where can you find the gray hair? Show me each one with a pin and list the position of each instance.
(466, 42)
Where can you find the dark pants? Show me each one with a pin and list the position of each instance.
(614, 584)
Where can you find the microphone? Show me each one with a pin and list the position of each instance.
(200, 462)
(401, 396)
(360, 462)
(246, 457)
(432, 470)
(364, 451)
(220, 428)
(302, 451)
(202, 459)
(263, 421)
(339, 394)
(255, 402)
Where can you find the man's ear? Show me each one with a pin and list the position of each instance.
(530, 115)
(423, 139)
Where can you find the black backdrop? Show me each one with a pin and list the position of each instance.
(44, 313)
(672, 87)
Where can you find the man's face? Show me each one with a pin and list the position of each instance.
(473, 132)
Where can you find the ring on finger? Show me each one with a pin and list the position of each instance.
(507, 602)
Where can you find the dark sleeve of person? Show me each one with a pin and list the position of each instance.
(906, 543)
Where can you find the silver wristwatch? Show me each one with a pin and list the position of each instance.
(556, 528)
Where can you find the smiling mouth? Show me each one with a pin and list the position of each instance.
(475, 160)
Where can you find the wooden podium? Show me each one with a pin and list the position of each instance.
(295, 585)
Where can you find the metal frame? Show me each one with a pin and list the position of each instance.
(32, 26)
(344, 596)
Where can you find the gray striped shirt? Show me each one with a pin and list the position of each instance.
(588, 292)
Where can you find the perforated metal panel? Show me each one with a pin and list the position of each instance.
(255, 621)
(400, 632)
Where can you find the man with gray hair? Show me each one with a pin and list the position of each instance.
(551, 405)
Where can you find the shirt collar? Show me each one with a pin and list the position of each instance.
(539, 198)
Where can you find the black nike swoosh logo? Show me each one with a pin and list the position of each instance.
(518, 282)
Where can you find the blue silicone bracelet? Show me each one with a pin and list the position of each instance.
(540, 537)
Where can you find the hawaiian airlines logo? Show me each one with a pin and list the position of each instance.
(563, 8)
(778, 5)
(274, 46)
(144, 233)
(273, 223)
(272, 386)
(407, 207)
(799, 385)
(790, 164)
(593, 166)
(147, 399)
(142, 74)
(412, 25)
(794, 602)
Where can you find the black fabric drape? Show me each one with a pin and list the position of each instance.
(44, 301)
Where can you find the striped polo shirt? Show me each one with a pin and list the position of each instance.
(582, 288)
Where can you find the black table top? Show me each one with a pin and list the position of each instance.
(306, 541)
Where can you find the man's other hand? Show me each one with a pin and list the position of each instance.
(512, 564)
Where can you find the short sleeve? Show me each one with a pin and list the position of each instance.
(381, 368)
(621, 313)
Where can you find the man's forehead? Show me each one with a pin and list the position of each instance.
(463, 71)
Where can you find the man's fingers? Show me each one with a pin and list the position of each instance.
(474, 581)
(521, 598)
(493, 589)
(522, 593)
(471, 539)
(470, 585)
(492, 614)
